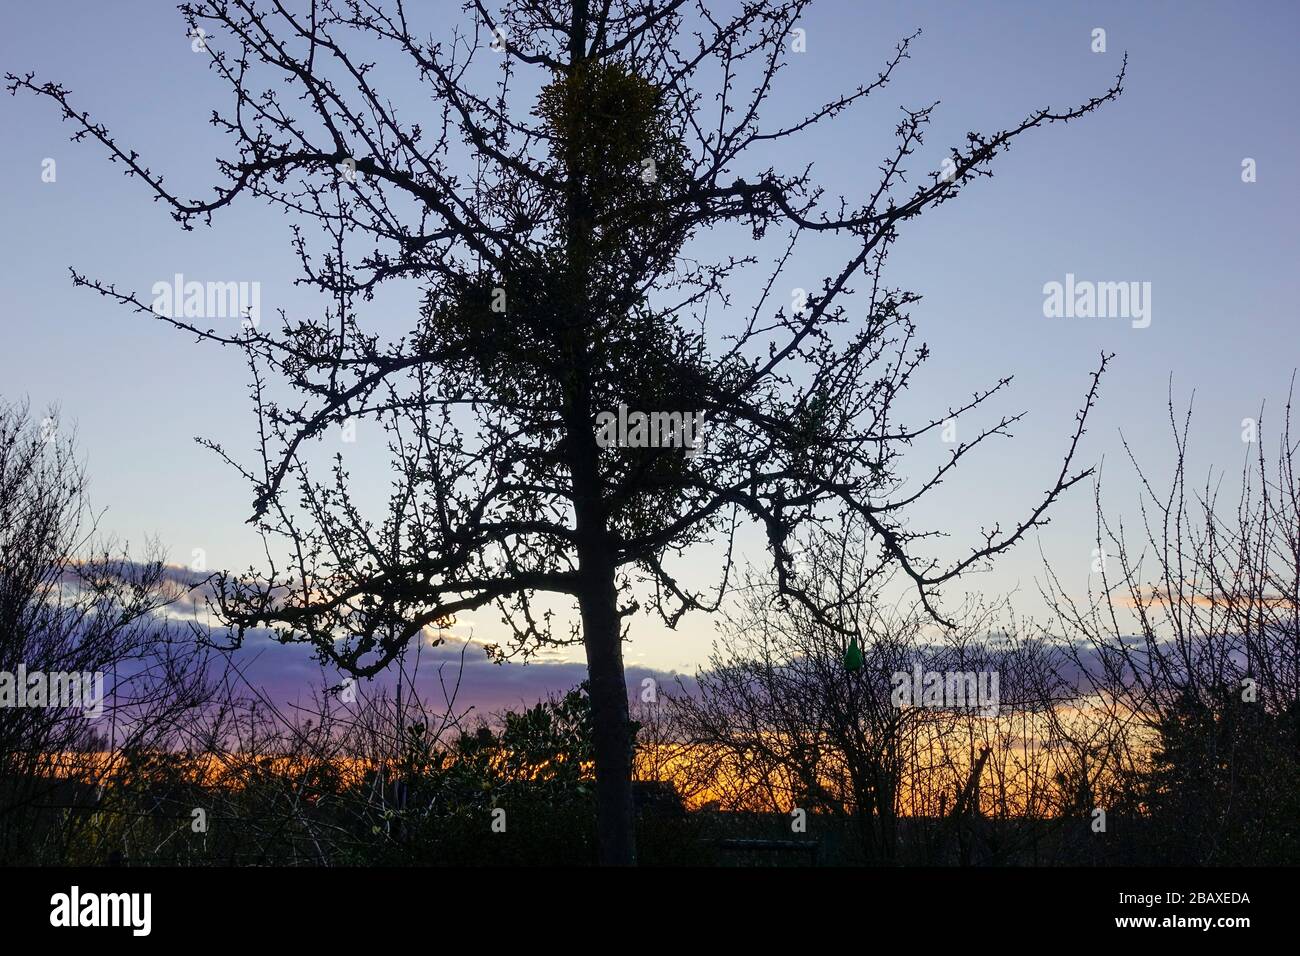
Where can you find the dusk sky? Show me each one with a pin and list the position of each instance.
(1148, 189)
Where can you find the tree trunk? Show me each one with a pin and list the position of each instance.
(612, 738)
(597, 593)
(611, 727)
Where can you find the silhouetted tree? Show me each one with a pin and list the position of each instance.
(72, 603)
(549, 219)
(1189, 656)
(790, 711)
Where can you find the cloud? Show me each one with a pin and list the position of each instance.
(459, 670)
(459, 667)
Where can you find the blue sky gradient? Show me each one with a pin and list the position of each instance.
(1147, 189)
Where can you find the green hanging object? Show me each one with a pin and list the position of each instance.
(853, 657)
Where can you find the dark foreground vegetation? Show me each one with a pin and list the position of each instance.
(521, 795)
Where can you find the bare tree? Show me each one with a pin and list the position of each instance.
(76, 613)
(552, 234)
(1188, 654)
(792, 712)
